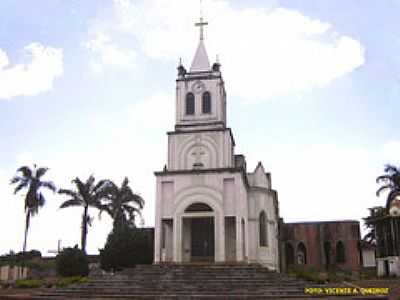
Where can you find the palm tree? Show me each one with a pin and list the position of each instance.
(122, 204)
(391, 183)
(85, 195)
(34, 199)
(374, 213)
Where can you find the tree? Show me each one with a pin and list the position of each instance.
(122, 204)
(127, 247)
(391, 183)
(376, 222)
(85, 195)
(72, 262)
(34, 199)
(374, 213)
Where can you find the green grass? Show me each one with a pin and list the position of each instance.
(308, 273)
(28, 283)
(37, 283)
(66, 281)
(311, 274)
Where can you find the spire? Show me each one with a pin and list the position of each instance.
(200, 61)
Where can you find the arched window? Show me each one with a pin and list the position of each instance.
(263, 230)
(206, 103)
(301, 254)
(189, 104)
(340, 252)
(243, 240)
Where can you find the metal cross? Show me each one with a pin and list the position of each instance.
(201, 23)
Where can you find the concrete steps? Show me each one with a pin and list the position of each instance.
(187, 282)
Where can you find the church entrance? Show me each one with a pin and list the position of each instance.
(198, 237)
(202, 239)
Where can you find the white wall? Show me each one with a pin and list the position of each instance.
(8, 273)
(368, 257)
(393, 265)
(213, 148)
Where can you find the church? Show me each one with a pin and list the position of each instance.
(209, 208)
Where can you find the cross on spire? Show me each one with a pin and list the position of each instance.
(201, 23)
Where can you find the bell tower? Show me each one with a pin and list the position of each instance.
(208, 208)
(201, 139)
(200, 93)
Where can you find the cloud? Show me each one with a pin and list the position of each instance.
(10, 213)
(391, 152)
(264, 52)
(134, 149)
(29, 79)
(108, 53)
(314, 182)
(3, 59)
(321, 181)
(156, 113)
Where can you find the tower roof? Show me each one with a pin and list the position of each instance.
(200, 61)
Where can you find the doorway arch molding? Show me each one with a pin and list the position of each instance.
(209, 197)
(188, 196)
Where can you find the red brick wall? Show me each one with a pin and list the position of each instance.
(314, 234)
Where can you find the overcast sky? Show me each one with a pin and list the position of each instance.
(87, 87)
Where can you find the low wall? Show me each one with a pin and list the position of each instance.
(12, 273)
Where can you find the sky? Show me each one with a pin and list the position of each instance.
(87, 87)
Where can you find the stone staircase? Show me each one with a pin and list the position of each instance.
(187, 282)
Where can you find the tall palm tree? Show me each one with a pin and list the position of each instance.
(86, 194)
(34, 199)
(374, 213)
(122, 204)
(391, 183)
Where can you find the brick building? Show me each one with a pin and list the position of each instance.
(323, 245)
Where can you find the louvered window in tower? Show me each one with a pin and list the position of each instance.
(206, 103)
(189, 104)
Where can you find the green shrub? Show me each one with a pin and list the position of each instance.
(19, 259)
(66, 281)
(368, 274)
(72, 262)
(28, 255)
(28, 283)
(334, 277)
(125, 248)
(308, 273)
(41, 264)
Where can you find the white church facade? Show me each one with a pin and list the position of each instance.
(208, 207)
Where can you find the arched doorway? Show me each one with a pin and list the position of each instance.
(289, 255)
(198, 233)
(340, 253)
(327, 252)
